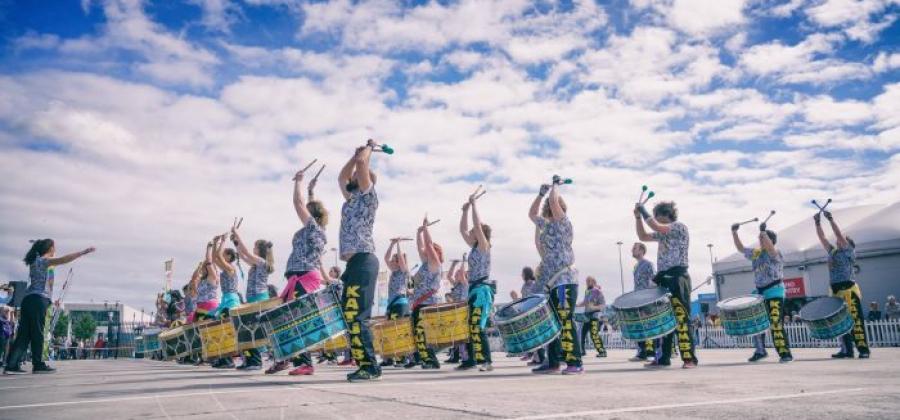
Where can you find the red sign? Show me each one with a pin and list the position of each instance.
(794, 288)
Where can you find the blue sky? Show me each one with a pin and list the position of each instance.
(163, 120)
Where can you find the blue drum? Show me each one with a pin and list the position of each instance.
(150, 340)
(744, 315)
(303, 323)
(645, 314)
(827, 318)
(527, 324)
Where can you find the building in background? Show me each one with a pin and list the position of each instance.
(874, 228)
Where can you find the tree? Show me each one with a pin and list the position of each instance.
(62, 326)
(84, 327)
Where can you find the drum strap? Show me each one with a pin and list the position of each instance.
(423, 298)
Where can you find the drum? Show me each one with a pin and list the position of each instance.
(303, 323)
(582, 317)
(172, 344)
(827, 318)
(245, 318)
(527, 324)
(334, 344)
(645, 314)
(150, 341)
(190, 340)
(744, 315)
(446, 324)
(217, 339)
(394, 338)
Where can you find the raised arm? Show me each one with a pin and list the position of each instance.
(839, 237)
(363, 176)
(211, 273)
(388, 255)
(464, 225)
(65, 259)
(347, 172)
(737, 239)
(404, 265)
(535, 209)
(430, 253)
(556, 210)
(821, 233)
(219, 256)
(450, 274)
(483, 244)
(639, 225)
(299, 203)
(243, 252)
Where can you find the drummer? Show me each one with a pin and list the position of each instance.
(557, 277)
(398, 303)
(357, 248)
(205, 283)
(768, 275)
(224, 258)
(479, 288)
(643, 279)
(261, 263)
(529, 288)
(672, 262)
(424, 294)
(593, 303)
(841, 271)
(302, 269)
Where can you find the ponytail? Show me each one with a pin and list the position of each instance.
(264, 248)
(38, 248)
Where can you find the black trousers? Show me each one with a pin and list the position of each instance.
(30, 331)
(677, 282)
(592, 329)
(425, 353)
(851, 294)
(566, 348)
(357, 299)
(775, 307)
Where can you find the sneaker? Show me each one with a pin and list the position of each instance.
(348, 362)
(410, 365)
(431, 365)
(534, 363)
(277, 367)
(786, 359)
(452, 360)
(757, 357)
(302, 370)
(545, 370)
(637, 359)
(466, 366)
(486, 367)
(689, 365)
(386, 363)
(842, 355)
(43, 368)
(14, 370)
(601, 354)
(361, 375)
(658, 364)
(573, 370)
(864, 355)
(252, 367)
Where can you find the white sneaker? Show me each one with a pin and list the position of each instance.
(486, 367)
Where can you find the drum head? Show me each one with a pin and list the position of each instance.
(739, 302)
(639, 298)
(520, 306)
(821, 308)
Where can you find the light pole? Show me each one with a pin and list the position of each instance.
(621, 272)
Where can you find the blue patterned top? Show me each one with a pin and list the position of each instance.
(479, 264)
(308, 246)
(189, 305)
(228, 282)
(459, 292)
(643, 274)
(39, 273)
(673, 247)
(258, 279)
(397, 284)
(428, 282)
(766, 269)
(556, 240)
(530, 287)
(206, 292)
(841, 262)
(357, 223)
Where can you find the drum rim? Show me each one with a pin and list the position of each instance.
(497, 320)
(555, 336)
(666, 294)
(757, 299)
(843, 306)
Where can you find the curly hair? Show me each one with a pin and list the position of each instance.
(667, 209)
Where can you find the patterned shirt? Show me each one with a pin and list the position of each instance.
(228, 282)
(841, 263)
(766, 269)
(479, 264)
(206, 292)
(594, 297)
(430, 282)
(41, 281)
(529, 288)
(673, 247)
(460, 292)
(357, 222)
(189, 305)
(556, 240)
(308, 247)
(643, 274)
(258, 279)
(397, 284)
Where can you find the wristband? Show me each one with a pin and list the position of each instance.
(644, 214)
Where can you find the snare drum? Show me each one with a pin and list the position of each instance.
(744, 315)
(827, 318)
(245, 318)
(303, 323)
(394, 338)
(527, 324)
(217, 339)
(446, 324)
(645, 314)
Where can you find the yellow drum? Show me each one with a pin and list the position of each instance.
(245, 319)
(217, 339)
(394, 338)
(446, 324)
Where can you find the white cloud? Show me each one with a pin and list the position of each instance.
(843, 140)
(218, 15)
(858, 18)
(699, 18)
(886, 62)
(824, 111)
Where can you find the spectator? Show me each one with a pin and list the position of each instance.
(874, 313)
(795, 316)
(99, 345)
(891, 308)
(6, 331)
(787, 319)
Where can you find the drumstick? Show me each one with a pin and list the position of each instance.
(643, 190)
(310, 164)
(434, 222)
(649, 196)
(481, 194)
(319, 173)
(772, 213)
(755, 219)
